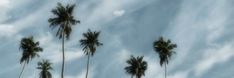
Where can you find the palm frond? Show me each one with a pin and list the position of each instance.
(164, 49)
(136, 66)
(44, 66)
(63, 20)
(90, 42)
(30, 49)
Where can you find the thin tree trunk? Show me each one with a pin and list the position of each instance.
(87, 66)
(132, 76)
(22, 70)
(63, 56)
(165, 70)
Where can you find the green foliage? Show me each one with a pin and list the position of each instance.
(136, 66)
(30, 49)
(164, 49)
(44, 66)
(90, 42)
(63, 20)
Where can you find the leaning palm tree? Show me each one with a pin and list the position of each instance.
(165, 50)
(89, 44)
(137, 66)
(44, 66)
(30, 50)
(63, 21)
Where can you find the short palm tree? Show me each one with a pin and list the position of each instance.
(44, 66)
(165, 50)
(63, 21)
(89, 44)
(30, 50)
(136, 66)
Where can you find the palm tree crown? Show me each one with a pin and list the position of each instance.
(164, 49)
(30, 49)
(45, 66)
(90, 42)
(136, 66)
(63, 20)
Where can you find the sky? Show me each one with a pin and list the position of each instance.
(202, 29)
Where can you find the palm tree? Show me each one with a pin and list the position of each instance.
(30, 50)
(44, 66)
(89, 44)
(63, 21)
(136, 66)
(165, 50)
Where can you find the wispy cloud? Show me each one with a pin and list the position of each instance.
(128, 27)
(213, 56)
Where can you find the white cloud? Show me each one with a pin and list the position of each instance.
(7, 30)
(213, 56)
(187, 26)
(4, 3)
(216, 25)
(54, 54)
(154, 70)
(118, 12)
(52, 50)
(55, 57)
(4, 7)
(104, 11)
(124, 54)
(45, 39)
(194, 23)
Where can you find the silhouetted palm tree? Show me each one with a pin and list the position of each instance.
(44, 66)
(63, 21)
(165, 50)
(89, 44)
(136, 66)
(30, 50)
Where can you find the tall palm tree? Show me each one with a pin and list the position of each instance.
(89, 44)
(30, 50)
(165, 50)
(44, 66)
(136, 66)
(63, 21)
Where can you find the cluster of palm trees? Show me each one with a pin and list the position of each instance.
(63, 21)
(137, 66)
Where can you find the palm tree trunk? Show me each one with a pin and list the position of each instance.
(165, 70)
(22, 70)
(87, 66)
(63, 56)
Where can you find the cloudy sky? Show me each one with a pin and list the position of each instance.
(202, 29)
